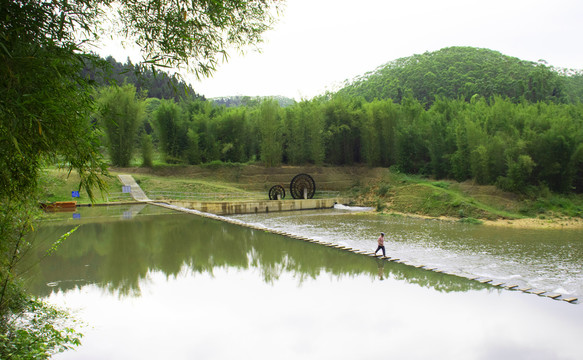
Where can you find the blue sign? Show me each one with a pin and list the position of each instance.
(75, 194)
(76, 216)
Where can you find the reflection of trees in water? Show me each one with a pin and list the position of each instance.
(117, 256)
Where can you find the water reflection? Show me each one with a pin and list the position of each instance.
(117, 255)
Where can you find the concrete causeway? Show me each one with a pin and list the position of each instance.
(255, 206)
(136, 191)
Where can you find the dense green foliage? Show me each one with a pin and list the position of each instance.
(170, 131)
(462, 72)
(44, 102)
(120, 113)
(270, 131)
(515, 146)
(195, 35)
(45, 335)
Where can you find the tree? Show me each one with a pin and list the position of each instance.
(45, 102)
(270, 128)
(171, 132)
(310, 124)
(342, 119)
(193, 34)
(519, 172)
(411, 135)
(295, 131)
(378, 132)
(193, 151)
(120, 112)
(577, 169)
(147, 150)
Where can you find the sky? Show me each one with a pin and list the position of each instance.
(318, 44)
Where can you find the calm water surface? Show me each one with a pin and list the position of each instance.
(151, 284)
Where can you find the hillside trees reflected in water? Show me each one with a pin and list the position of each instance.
(118, 255)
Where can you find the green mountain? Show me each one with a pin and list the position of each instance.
(462, 72)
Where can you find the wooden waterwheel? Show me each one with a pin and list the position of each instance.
(302, 186)
(277, 192)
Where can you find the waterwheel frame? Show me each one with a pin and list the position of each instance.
(276, 190)
(300, 183)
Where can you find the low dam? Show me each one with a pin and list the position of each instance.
(255, 206)
(235, 207)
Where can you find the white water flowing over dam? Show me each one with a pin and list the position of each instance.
(533, 260)
(352, 208)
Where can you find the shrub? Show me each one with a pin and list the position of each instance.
(383, 190)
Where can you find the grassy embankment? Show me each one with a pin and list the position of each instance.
(389, 193)
(466, 202)
(57, 185)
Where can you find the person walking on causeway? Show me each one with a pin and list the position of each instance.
(381, 246)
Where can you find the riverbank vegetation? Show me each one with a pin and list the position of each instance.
(469, 202)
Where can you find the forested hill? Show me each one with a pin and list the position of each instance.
(462, 72)
(157, 85)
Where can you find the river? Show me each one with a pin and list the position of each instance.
(149, 283)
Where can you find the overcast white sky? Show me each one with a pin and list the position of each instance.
(317, 44)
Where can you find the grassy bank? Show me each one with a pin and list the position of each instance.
(387, 192)
(466, 202)
(57, 185)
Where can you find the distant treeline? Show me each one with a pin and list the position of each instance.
(493, 141)
(234, 101)
(462, 72)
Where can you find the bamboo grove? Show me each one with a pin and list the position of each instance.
(515, 146)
